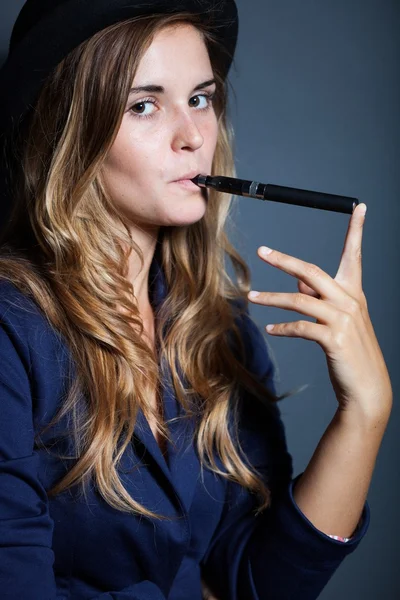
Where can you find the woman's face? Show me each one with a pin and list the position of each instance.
(165, 135)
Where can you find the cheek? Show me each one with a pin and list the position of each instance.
(130, 157)
(210, 134)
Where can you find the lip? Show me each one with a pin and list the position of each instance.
(187, 176)
(187, 183)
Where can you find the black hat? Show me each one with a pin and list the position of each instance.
(47, 30)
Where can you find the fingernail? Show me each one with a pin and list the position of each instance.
(363, 209)
(254, 294)
(265, 250)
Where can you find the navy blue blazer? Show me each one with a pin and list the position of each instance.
(65, 547)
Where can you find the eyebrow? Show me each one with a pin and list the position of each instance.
(159, 88)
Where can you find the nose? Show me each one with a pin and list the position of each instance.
(186, 133)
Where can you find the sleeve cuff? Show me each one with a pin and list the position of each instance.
(332, 536)
(298, 537)
(340, 539)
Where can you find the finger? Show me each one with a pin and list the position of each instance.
(324, 312)
(350, 267)
(303, 329)
(312, 275)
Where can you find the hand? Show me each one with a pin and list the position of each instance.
(356, 366)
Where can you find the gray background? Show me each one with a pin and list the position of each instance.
(316, 106)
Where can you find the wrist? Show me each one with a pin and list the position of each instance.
(366, 421)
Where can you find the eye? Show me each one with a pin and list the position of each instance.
(208, 97)
(142, 115)
(140, 104)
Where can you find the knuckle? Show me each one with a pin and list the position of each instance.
(298, 299)
(354, 307)
(339, 340)
(346, 320)
(327, 341)
(312, 270)
(299, 327)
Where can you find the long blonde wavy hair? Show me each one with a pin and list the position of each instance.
(66, 245)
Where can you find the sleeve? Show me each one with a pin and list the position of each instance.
(279, 554)
(26, 528)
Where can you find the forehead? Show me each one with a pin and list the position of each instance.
(177, 50)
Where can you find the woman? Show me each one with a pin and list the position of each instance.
(142, 451)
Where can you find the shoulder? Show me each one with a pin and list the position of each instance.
(17, 315)
(35, 360)
(20, 316)
(26, 335)
(14, 303)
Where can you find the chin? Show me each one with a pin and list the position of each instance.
(182, 219)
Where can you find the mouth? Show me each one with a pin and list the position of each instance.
(187, 184)
(188, 175)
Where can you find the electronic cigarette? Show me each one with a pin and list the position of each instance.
(277, 193)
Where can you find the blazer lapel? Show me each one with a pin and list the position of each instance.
(183, 467)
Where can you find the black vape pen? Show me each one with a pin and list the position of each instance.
(277, 193)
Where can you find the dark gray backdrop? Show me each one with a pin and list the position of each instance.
(316, 106)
